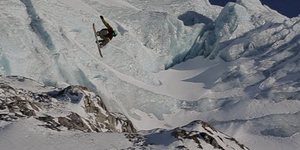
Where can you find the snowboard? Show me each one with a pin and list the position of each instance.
(97, 41)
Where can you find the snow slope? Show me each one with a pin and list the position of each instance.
(25, 134)
(240, 69)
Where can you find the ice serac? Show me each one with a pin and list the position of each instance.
(164, 34)
(234, 23)
(228, 31)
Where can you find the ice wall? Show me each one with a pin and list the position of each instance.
(233, 23)
(229, 35)
(164, 32)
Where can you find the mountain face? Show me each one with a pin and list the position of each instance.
(75, 108)
(173, 62)
(72, 108)
(195, 135)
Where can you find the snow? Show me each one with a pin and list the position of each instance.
(25, 134)
(240, 62)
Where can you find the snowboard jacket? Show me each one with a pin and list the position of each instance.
(109, 29)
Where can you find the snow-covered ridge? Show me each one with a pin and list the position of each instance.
(72, 108)
(195, 135)
(76, 108)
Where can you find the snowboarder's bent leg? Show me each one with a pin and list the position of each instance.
(104, 41)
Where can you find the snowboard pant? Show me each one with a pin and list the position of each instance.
(103, 35)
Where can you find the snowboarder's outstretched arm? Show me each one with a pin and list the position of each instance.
(106, 24)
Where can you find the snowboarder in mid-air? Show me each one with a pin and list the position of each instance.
(105, 34)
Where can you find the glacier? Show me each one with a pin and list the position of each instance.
(235, 66)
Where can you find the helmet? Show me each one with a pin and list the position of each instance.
(115, 33)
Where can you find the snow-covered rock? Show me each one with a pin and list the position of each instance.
(74, 107)
(195, 135)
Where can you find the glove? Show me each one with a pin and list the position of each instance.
(101, 17)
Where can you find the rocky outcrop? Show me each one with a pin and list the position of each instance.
(17, 103)
(71, 108)
(76, 108)
(97, 117)
(208, 135)
(195, 135)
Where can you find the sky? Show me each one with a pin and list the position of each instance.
(289, 8)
